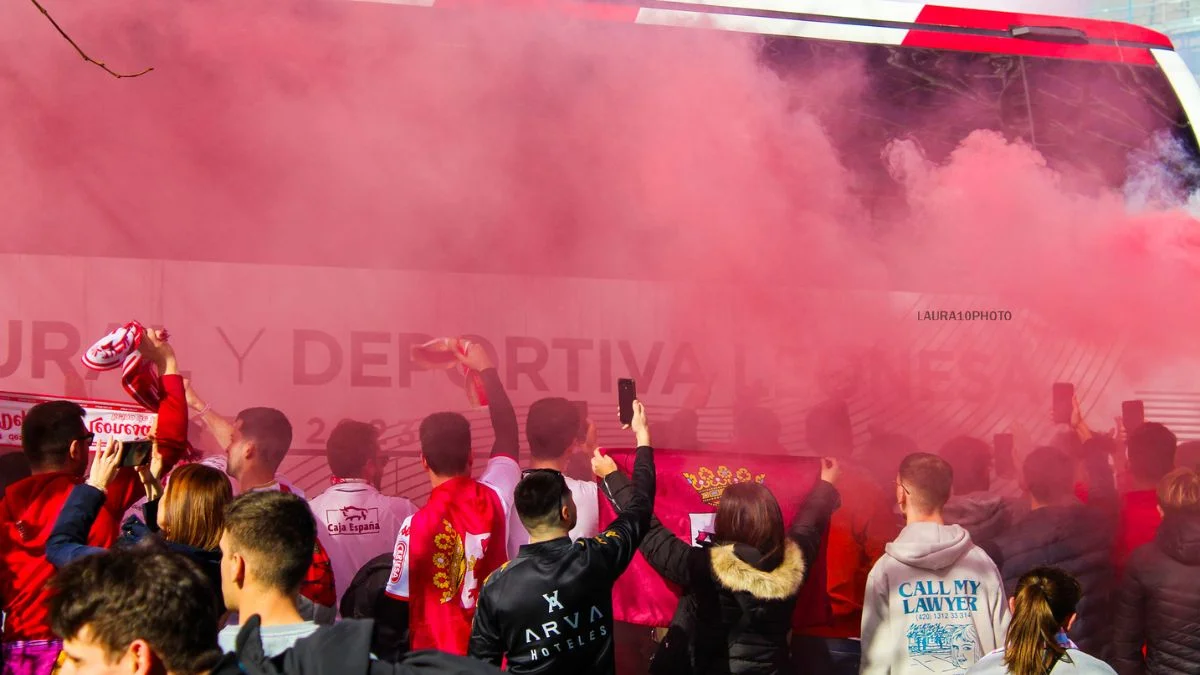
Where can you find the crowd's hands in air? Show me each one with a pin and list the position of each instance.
(603, 465)
(474, 357)
(107, 463)
(154, 346)
(831, 470)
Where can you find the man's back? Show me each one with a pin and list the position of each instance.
(446, 550)
(935, 603)
(356, 523)
(1139, 521)
(28, 511)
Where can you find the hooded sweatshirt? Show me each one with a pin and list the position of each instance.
(935, 603)
(985, 516)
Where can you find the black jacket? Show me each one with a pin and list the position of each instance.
(340, 649)
(550, 608)
(1079, 539)
(742, 609)
(1159, 603)
(365, 598)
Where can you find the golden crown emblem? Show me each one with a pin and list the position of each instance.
(711, 485)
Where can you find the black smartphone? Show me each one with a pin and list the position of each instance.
(582, 408)
(1064, 397)
(136, 453)
(626, 395)
(1133, 415)
(1002, 445)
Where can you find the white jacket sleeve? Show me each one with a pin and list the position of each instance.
(877, 643)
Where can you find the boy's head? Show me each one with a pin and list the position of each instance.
(1151, 452)
(544, 503)
(1179, 493)
(446, 444)
(971, 460)
(924, 484)
(353, 451)
(552, 428)
(135, 611)
(267, 547)
(1048, 475)
(261, 439)
(54, 437)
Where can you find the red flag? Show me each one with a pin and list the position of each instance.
(690, 483)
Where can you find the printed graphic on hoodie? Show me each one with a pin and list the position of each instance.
(941, 637)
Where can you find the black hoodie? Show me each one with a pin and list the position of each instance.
(1159, 603)
(341, 649)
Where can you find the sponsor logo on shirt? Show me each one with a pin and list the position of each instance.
(565, 629)
(352, 520)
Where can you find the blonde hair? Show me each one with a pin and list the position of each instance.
(1179, 491)
(1045, 600)
(193, 506)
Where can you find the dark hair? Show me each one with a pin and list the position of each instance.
(539, 497)
(971, 459)
(351, 446)
(1049, 474)
(828, 430)
(749, 514)
(139, 594)
(883, 454)
(756, 425)
(446, 443)
(277, 532)
(1187, 454)
(270, 431)
(928, 480)
(1046, 598)
(551, 427)
(47, 433)
(1151, 451)
(1179, 492)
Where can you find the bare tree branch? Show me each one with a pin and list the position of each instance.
(87, 58)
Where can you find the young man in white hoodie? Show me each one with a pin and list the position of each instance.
(935, 601)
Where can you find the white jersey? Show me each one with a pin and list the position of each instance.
(586, 495)
(356, 523)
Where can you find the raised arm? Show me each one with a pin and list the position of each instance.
(618, 542)
(812, 518)
(504, 417)
(220, 428)
(170, 434)
(68, 539)
(669, 555)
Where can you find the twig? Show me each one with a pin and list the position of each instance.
(87, 58)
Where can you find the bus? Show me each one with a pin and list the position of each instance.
(322, 327)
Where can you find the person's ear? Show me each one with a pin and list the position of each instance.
(249, 450)
(140, 658)
(1071, 621)
(78, 452)
(1161, 513)
(239, 570)
(424, 463)
(1012, 605)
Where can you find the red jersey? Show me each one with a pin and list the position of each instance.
(446, 550)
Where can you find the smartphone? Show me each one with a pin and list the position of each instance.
(582, 408)
(626, 395)
(1133, 415)
(136, 453)
(1002, 445)
(1064, 397)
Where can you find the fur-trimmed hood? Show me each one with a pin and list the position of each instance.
(781, 583)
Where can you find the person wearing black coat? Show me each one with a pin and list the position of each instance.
(739, 595)
(1060, 531)
(1159, 601)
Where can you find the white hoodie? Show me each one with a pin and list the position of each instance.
(934, 604)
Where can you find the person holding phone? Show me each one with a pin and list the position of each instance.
(550, 609)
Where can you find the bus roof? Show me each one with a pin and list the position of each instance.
(889, 22)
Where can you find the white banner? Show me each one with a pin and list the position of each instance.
(105, 419)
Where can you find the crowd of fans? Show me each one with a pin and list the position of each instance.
(1086, 557)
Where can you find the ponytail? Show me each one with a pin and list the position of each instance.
(1046, 599)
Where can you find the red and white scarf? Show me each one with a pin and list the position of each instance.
(119, 349)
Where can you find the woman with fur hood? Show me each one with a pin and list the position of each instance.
(739, 594)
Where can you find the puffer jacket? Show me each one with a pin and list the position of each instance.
(1159, 603)
(1079, 540)
(741, 609)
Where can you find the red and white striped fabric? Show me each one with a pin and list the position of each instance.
(120, 349)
